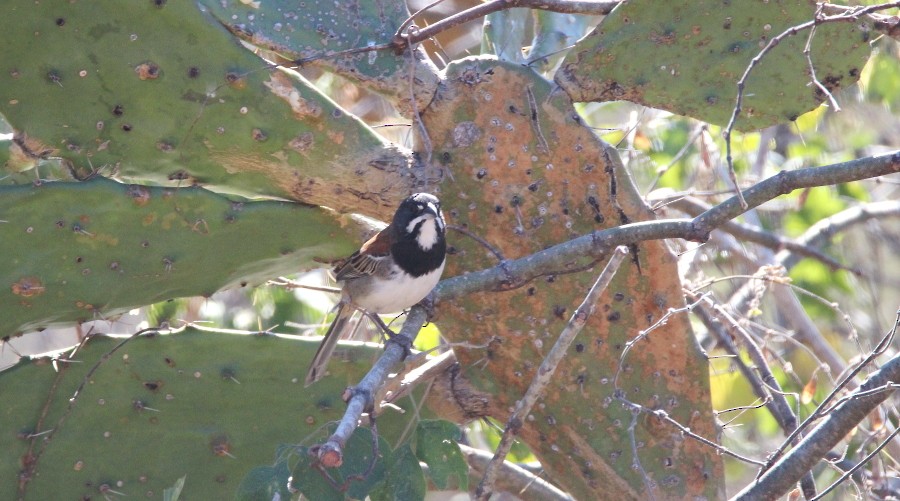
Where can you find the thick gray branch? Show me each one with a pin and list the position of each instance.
(782, 477)
(596, 244)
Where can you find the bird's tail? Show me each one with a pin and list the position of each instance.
(329, 343)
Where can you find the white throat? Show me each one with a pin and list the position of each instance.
(428, 233)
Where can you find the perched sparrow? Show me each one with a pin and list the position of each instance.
(394, 270)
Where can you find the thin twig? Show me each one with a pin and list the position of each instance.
(857, 466)
(546, 370)
(846, 16)
(807, 52)
(706, 314)
(644, 333)
(543, 147)
(878, 350)
(289, 284)
(681, 153)
(514, 478)
(635, 459)
(484, 243)
(740, 411)
(409, 20)
(785, 416)
(781, 477)
(664, 416)
(343, 53)
(417, 117)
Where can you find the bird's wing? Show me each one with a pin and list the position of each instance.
(366, 260)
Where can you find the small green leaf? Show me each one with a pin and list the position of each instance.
(404, 480)
(437, 446)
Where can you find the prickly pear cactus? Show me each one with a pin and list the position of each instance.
(85, 251)
(323, 31)
(529, 173)
(160, 92)
(688, 57)
(210, 406)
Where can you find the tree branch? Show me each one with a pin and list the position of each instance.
(751, 233)
(596, 244)
(514, 478)
(782, 476)
(815, 236)
(360, 398)
(403, 38)
(778, 403)
(780, 409)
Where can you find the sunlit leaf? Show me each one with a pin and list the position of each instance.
(809, 391)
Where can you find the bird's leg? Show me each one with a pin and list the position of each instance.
(429, 304)
(385, 330)
(392, 336)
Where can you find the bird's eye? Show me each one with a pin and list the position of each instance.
(420, 207)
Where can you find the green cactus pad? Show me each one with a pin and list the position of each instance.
(320, 27)
(84, 251)
(336, 36)
(688, 56)
(211, 406)
(159, 92)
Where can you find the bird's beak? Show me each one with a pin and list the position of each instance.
(432, 209)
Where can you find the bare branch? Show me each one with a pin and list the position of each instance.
(751, 233)
(780, 410)
(514, 478)
(782, 476)
(807, 52)
(824, 229)
(859, 465)
(559, 258)
(45, 438)
(596, 8)
(820, 411)
(360, 398)
(664, 416)
(780, 407)
(815, 236)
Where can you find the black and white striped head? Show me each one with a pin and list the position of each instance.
(420, 217)
(418, 241)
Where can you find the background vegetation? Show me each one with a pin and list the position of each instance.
(777, 306)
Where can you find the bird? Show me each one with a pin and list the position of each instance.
(391, 272)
